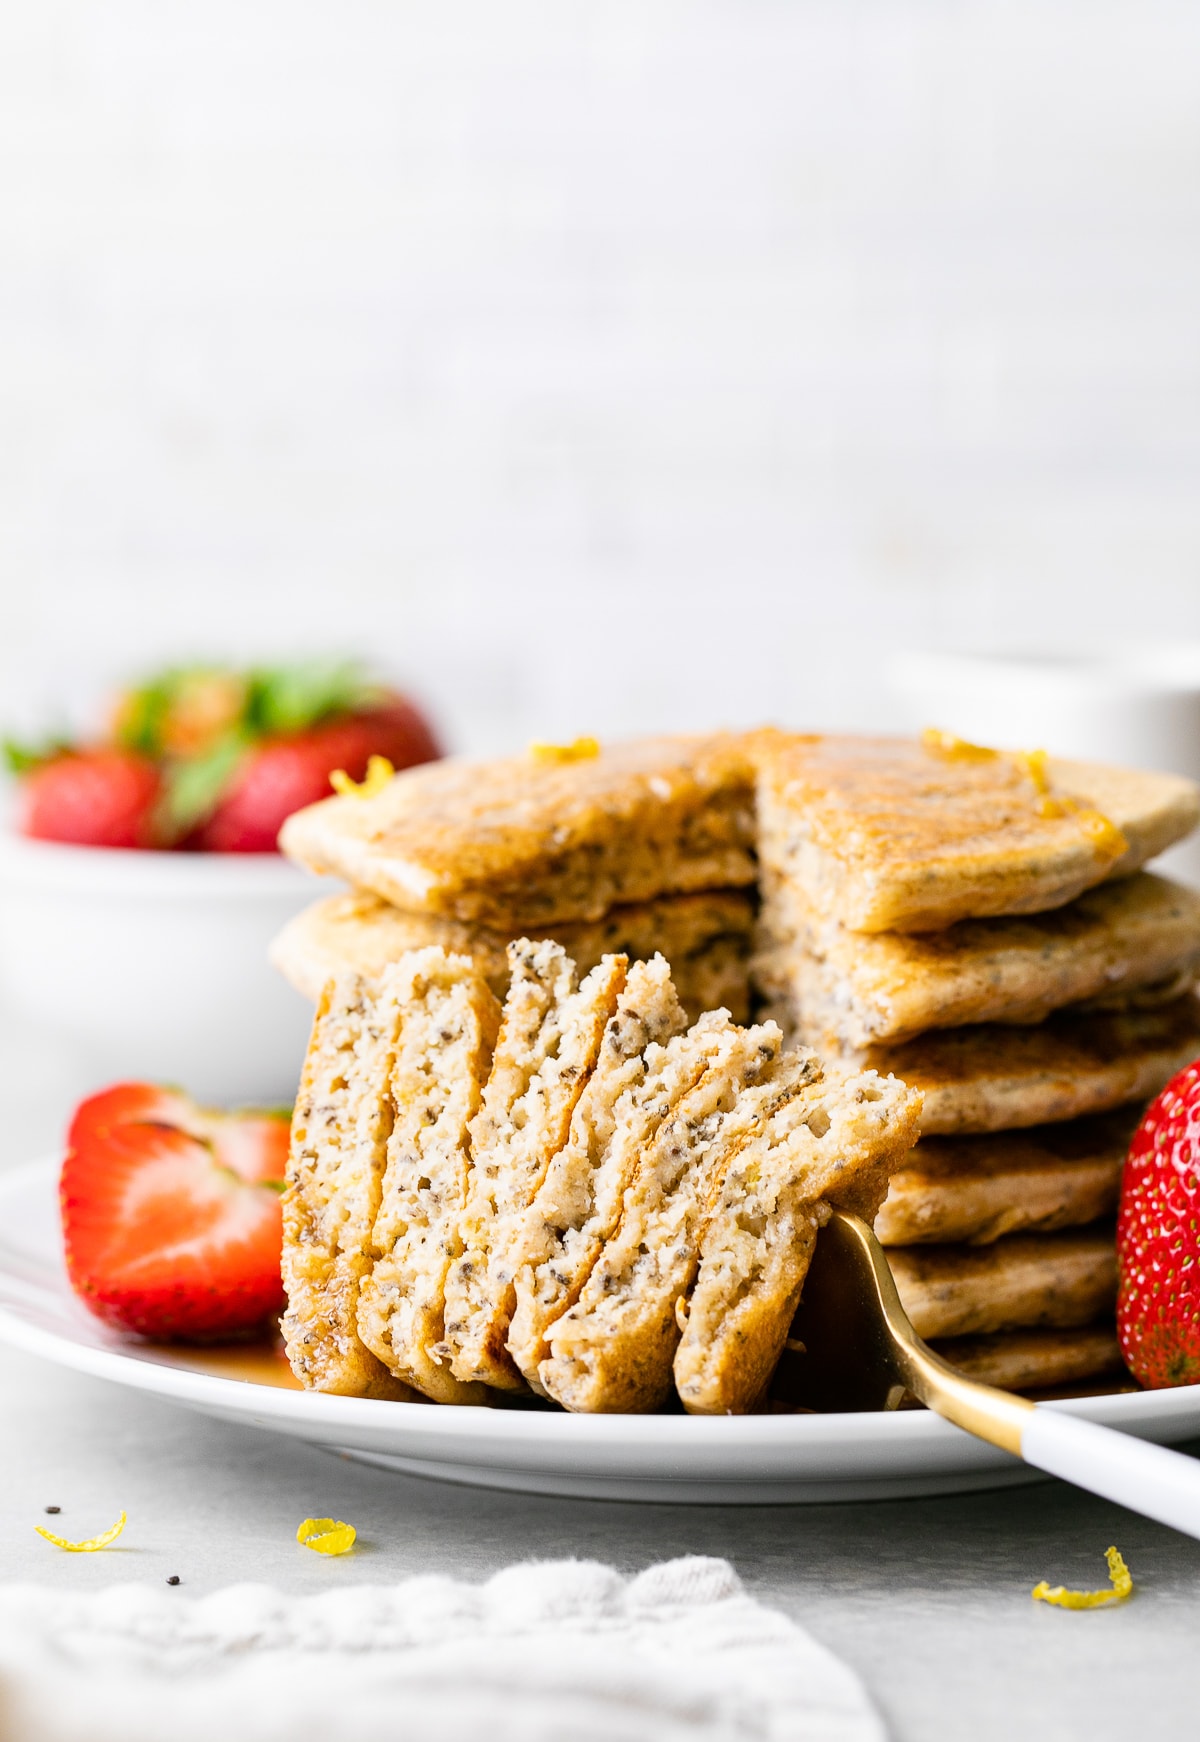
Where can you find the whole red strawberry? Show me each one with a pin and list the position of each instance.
(171, 1215)
(281, 775)
(1158, 1239)
(103, 797)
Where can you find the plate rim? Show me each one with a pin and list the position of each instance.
(473, 1428)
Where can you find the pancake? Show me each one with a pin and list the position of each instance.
(1036, 1360)
(977, 1189)
(334, 1179)
(1134, 940)
(833, 1141)
(994, 1078)
(706, 937)
(646, 1065)
(612, 1350)
(530, 841)
(547, 1049)
(443, 1055)
(1018, 1283)
(890, 834)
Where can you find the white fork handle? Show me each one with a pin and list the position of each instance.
(1147, 1478)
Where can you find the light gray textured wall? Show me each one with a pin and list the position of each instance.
(599, 365)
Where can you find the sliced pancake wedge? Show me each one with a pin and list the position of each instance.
(996, 1078)
(334, 1180)
(979, 1188)
(1017, 1283)
(549, 1042)
(833, 1141)
(1137, 935)
(527, 841)
(449, 1021)
(638, 1080)
(612, 1350)
(707, 938)
(1036, 1360)
(894, 834)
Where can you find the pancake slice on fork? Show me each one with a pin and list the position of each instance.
(833, 1142)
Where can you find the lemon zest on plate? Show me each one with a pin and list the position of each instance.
(579, 750)
(92, 1543)
(1122, 1587)
(326, 1535)
(379, 773)
(955, 749)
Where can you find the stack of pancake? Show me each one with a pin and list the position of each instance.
(648, 846)
(979, 924)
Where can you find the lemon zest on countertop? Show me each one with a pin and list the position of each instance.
(955, 749)
(580, 750)
(92, 1543)
(379, 773)
(327, 1535)
(1122, 1587)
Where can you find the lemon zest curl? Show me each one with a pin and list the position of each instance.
(326, 1535)
(379, 773)
(580, 750)
(1122, 1587)
(953, 748)
(92, 1543)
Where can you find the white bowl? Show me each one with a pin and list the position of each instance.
(154, 965)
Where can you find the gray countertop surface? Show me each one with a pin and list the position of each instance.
(927, 1599)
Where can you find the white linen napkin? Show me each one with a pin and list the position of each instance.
(556, 1651)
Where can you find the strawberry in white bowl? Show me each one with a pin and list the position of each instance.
(140, 886)
(212, 760)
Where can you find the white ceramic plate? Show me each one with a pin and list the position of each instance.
(738, 1460)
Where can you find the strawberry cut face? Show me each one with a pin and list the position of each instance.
(171, 1214)
(1158, 1240)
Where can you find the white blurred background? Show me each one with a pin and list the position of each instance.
(595, 367)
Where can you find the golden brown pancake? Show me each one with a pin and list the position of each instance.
(994, 1078)
(885, 834)
(1133, 940)
(1036, 1360)
(1020, 1282)
(979, 1188)
(706, 937)
(528, 841)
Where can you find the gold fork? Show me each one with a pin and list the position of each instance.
(853, 1348)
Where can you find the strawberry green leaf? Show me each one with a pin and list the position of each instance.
(285, 699)
(195, 786)
(24, 758)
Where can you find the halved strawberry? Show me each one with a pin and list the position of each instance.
(171, 1215)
